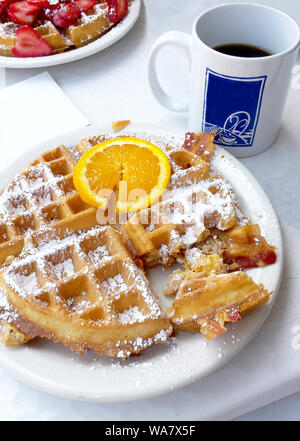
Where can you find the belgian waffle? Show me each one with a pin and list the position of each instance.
(84, 291)
(90, 26)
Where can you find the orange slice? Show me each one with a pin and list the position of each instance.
(133, 171)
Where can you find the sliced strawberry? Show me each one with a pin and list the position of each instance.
(85, 5)
(3, 5)
(117, 9)
(41, 3)
(30, 44)
(48, 12)
(23, 13)
(66, 15)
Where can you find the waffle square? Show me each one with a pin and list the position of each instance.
(205, 304)
(84, 291)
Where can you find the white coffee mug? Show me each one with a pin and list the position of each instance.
(240, 98)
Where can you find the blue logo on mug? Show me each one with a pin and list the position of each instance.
(232, 107)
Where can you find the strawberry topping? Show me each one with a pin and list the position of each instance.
(3, 5)
(117, 9)
(30, 44)
(40, 3)
(66, 15)
(23, 13)
(62, 13)
(85, 5)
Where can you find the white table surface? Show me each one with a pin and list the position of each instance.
(113, 85)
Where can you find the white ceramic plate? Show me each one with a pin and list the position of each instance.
(103, 42)
(164, 367)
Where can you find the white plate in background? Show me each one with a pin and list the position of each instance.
(113, 35)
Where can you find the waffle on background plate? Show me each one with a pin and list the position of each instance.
(66, 278)
(89, 26)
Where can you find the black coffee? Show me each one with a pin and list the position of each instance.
(242, 50)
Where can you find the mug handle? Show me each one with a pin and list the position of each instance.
(169, 38)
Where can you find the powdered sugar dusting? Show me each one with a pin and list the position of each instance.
(63, 269)
(26, 284)
(7, 312)
(131, 315)
(98, 254)
(115, 286)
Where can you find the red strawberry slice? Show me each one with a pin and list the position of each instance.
(85, 5)
(41, 3)
(30, 44)
(66, 15)
(23, 13)
(117, 9)
(48, 12)
(3, 5)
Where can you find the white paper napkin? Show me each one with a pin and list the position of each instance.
(33, 111)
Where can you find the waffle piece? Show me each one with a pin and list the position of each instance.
(238, 248)
(46, 30)
(10, 335)
(162, 233)
(51, 34)
(85, 292)
(200, 144)
(187, 169)
(195, 262)
(41, 196)
(195, 202)
(7, 38)
(204, 304)
(90, 26)
(159, 241)
(190, 162)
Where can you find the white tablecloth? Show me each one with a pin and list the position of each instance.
(113, 85)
